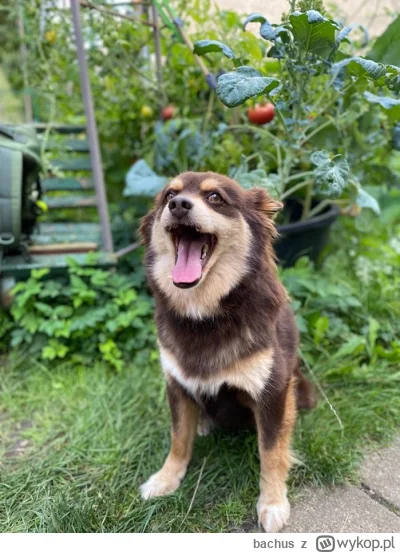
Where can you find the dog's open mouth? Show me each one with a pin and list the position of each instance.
(193, 250)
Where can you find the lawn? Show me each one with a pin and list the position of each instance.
(76, 441)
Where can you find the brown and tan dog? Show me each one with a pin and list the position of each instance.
(228, 340)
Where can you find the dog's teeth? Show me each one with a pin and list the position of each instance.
(204, 251)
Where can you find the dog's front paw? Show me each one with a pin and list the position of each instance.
(159, 484)
(273, 517)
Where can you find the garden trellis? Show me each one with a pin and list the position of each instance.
(51, 242)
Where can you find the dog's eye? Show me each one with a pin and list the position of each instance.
(170, 194)
(215, 198)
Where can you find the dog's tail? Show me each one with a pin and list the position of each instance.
(305, 393)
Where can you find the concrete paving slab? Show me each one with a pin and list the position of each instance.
(341, 509)
(381, 473)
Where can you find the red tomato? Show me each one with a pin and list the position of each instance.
(168, 112)
(259, 115)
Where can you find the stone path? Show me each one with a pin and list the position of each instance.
(374, 506)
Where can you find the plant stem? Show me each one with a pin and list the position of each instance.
(316, 131)
(279, 156)
(281, 118)
(275, 141)
(307, 202)
(255, 129)
(318, 208)
(294, 188)
(112, 13)
(326, 106)
(322, 205)
(208, 113)
(300, 175)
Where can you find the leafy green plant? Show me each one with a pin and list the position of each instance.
(93, 314)
(127, 96)
(323, 96)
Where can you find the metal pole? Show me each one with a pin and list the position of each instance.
(94, 147)
(157, 45)
(24, 60)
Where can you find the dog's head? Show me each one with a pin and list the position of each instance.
(205, 234)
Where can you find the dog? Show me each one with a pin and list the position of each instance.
(227, 337)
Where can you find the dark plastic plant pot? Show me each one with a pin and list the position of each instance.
(300, 238)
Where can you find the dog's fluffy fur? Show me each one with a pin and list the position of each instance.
(228, 340)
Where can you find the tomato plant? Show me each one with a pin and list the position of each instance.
(328, 104)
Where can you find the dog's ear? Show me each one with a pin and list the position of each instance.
(259, 200)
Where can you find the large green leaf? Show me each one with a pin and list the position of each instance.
(387, 47)
(206, 46)
(391, 105)
(314, 32)
(360, 66)
(141, 180)
(236, 87)
(331, 175)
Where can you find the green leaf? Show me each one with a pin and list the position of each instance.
(315, 33)
(393, 78)
(342, 35)
(319, 157)
(331, 175)
(38, 274)
(235, 87)
(54, 349)
(258, 177)
(141, 180)
(267, 31)
(254, 18)
(388, 103)
(385, 101)
(206, 46)
(387, 47)
(360, 66)
(313, 16)
(367, 201)
(356, 344)
(321, 328)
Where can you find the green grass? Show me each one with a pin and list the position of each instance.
(91, 436)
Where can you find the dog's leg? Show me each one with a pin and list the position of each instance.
(184, 414)
(204, 424)
(275, 421)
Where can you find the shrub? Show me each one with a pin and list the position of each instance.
(90, 314)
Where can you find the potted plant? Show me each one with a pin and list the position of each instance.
(319, 91)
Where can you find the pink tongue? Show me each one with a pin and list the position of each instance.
(188, 264)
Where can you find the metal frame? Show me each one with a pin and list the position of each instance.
(95, 155)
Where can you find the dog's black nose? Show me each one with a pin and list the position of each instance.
(180, 206)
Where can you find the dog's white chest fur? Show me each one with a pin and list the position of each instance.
(249, 374)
